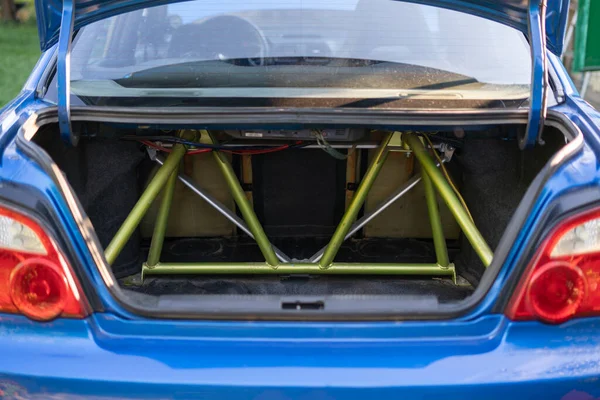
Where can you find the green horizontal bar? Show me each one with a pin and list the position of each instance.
(299, 268)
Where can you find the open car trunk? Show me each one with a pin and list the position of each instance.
(299, 191)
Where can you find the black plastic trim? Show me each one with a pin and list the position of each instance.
(556, 86)
(206, 116)
(46, 78)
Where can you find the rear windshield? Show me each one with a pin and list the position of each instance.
(297, 49)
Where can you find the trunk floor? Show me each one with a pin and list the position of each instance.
(357, 250)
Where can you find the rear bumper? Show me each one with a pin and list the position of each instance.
(111, 358)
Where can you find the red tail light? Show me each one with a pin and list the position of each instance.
(35, 279)
(563, 281)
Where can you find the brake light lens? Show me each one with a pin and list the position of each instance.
(35, 279)
(563, 280)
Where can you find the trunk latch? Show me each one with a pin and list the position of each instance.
(302, 305)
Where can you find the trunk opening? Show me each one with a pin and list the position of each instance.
(299, 196)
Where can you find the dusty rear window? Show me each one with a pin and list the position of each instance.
(299, 49)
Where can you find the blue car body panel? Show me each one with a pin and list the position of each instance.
(489, 358)
(117, 354)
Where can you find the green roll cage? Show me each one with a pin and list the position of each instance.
(276, 262)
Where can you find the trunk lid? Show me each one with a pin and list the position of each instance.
(543, 24)
(509, 12)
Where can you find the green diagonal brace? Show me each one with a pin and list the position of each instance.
(357, 201)
(143, 204)
(162, 218)
(445, 190)
(437, 231)
(243, 204)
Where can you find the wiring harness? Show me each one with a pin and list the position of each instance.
(197, 148)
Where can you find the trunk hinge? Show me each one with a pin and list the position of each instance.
(539, 75)
(63, 73)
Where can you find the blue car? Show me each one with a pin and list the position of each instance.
(341, 199)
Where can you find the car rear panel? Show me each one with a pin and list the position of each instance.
(108, 357)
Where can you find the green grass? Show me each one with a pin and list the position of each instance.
(19, 51)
